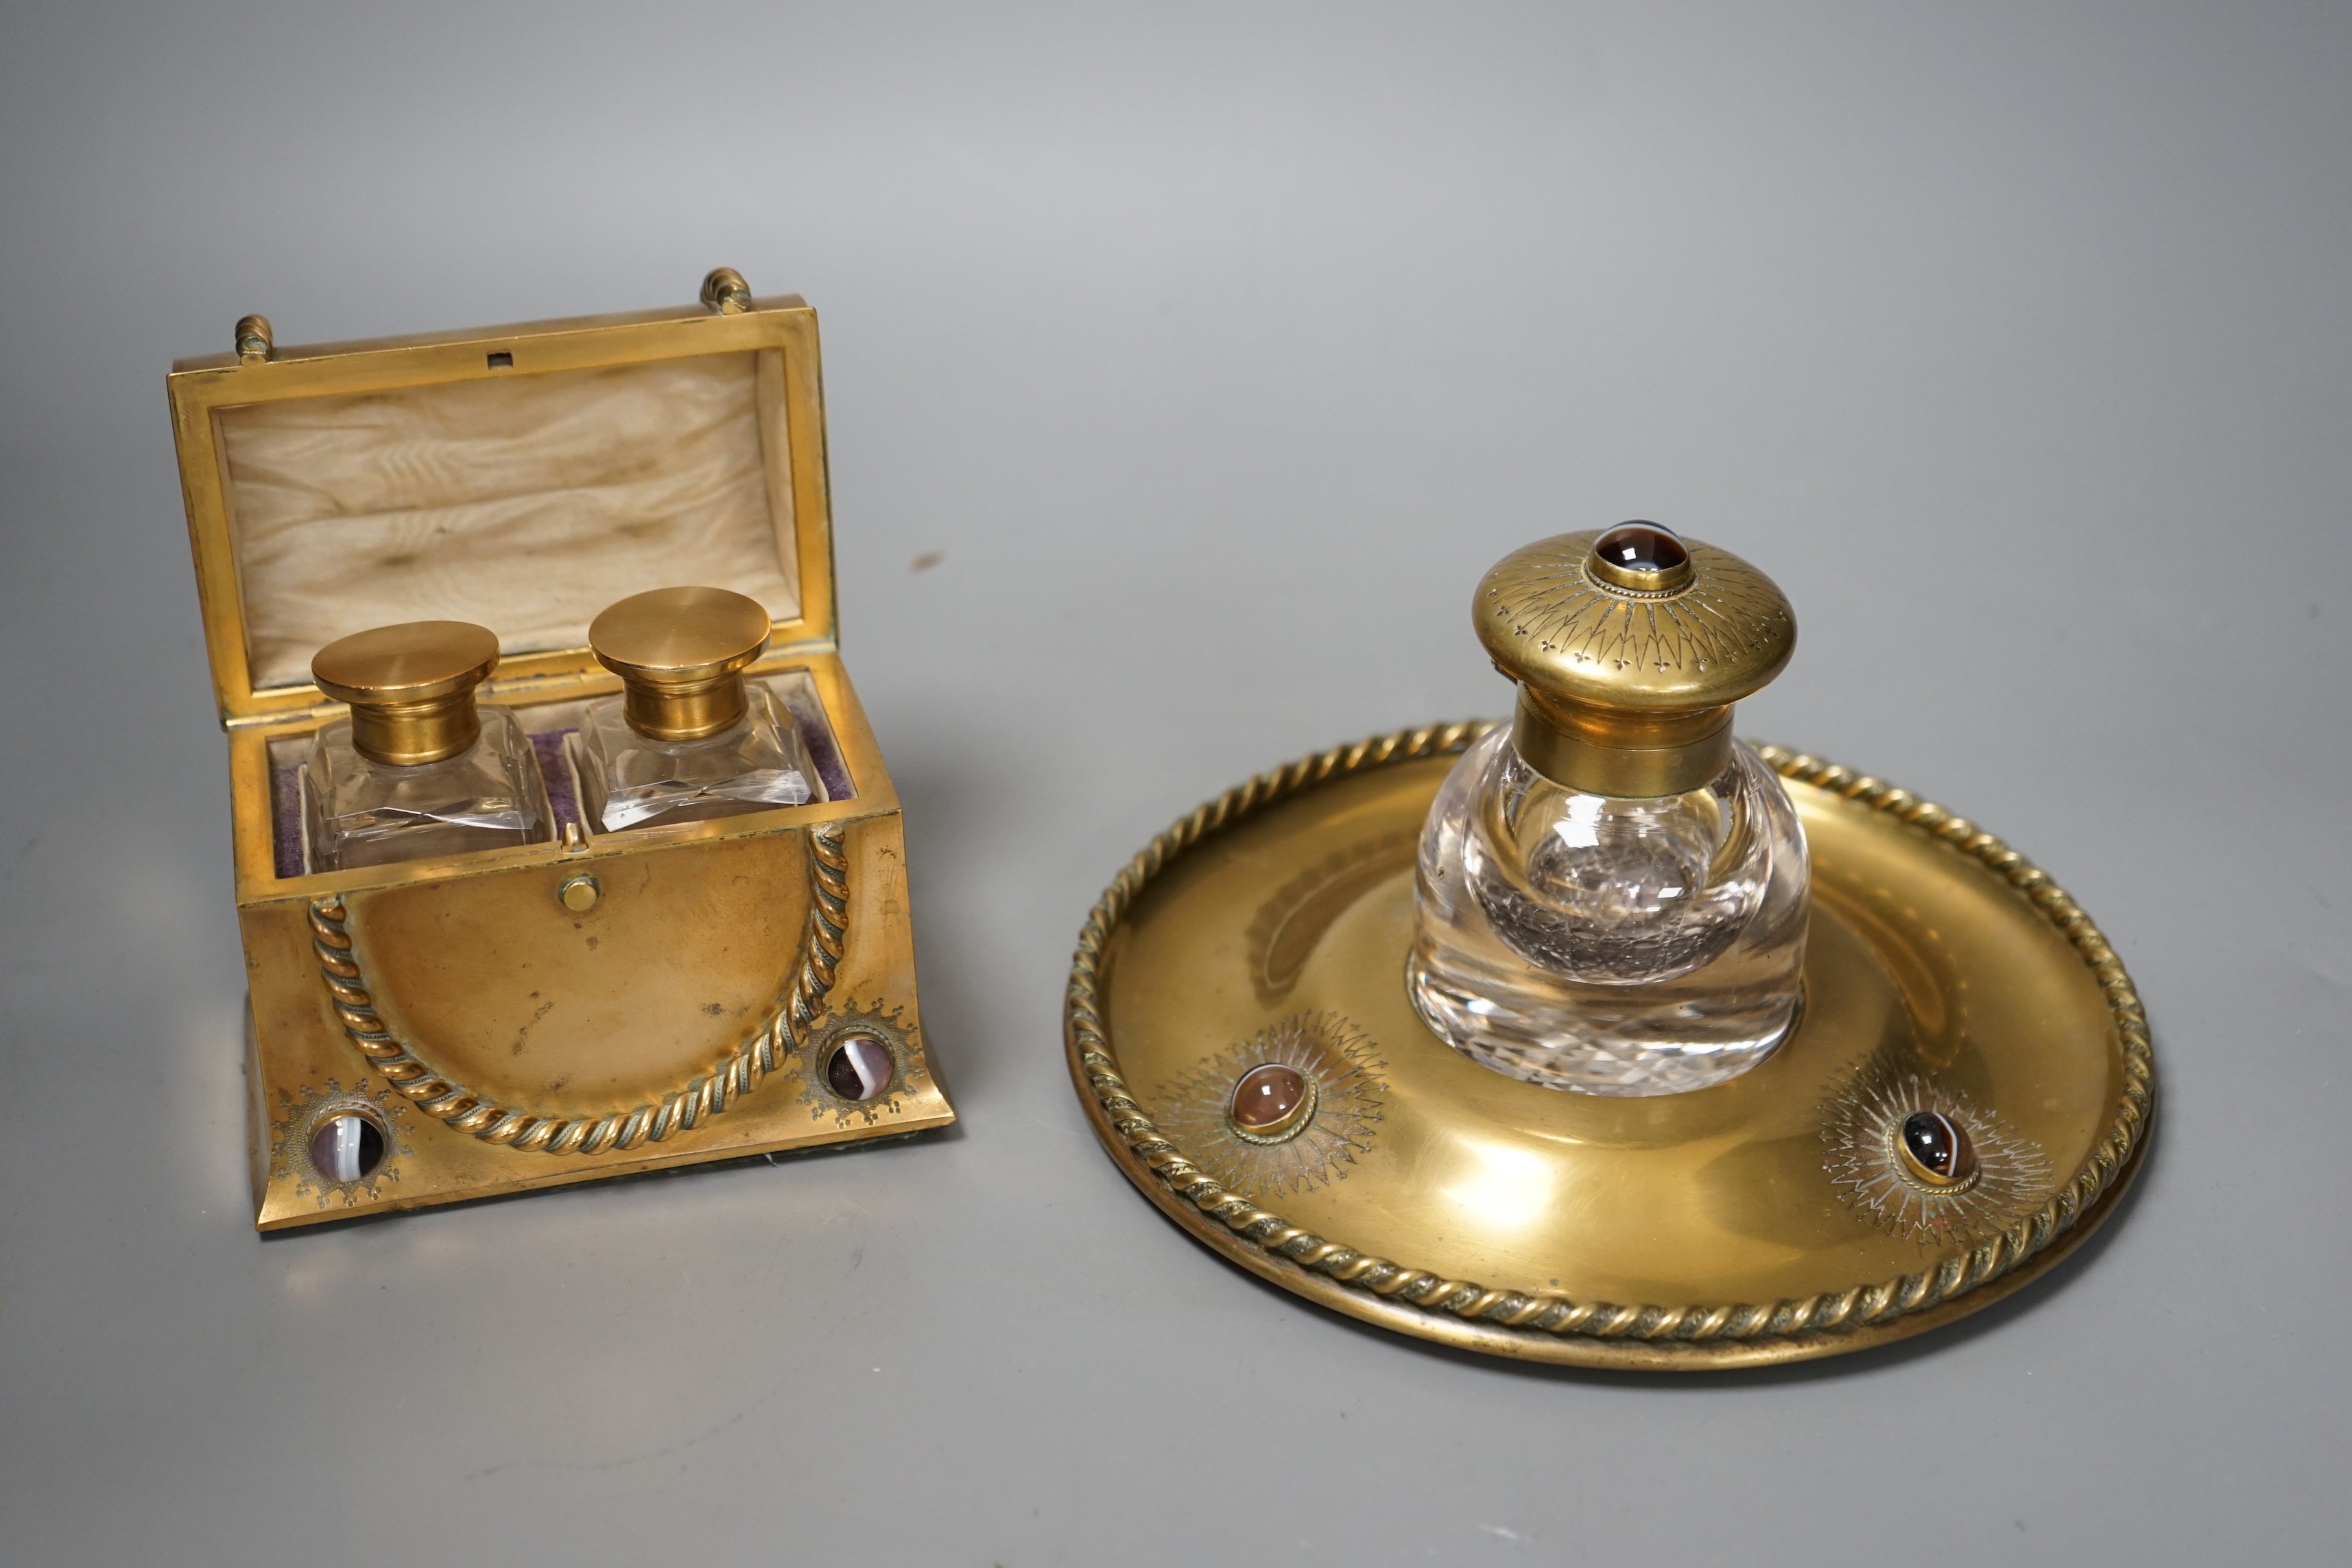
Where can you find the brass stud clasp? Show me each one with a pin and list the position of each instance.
(579, 894)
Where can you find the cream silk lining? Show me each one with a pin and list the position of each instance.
(525, 504)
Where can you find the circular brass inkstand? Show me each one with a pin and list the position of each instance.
(1965, 1094)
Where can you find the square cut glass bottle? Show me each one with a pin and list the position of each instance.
(417, 769)
(360, 811)
(689, 738)
(631, 779)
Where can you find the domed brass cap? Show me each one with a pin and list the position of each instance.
(681, 653)
(1629, 646)
(410, 687)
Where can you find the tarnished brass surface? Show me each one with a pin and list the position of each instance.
(699, 1047)
(1702, 1229)
(1627, 679)
(607, 1004)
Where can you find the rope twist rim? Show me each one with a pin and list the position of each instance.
(685, 1107)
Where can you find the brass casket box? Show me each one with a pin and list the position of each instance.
(598, 1004)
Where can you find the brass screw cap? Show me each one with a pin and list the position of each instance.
(681, 653)
(1630, 645)
(410, 687)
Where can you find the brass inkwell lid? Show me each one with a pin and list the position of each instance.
(410, 687)
(1629, 649)
(681, 653)
(1962, 1098)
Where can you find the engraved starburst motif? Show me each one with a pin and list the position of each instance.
(874, 1022)
(1862, 1119)
(1337, 1060)
(1722, 620)
(300, 1115)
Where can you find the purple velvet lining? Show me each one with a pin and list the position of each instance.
(817, 734)
(562, 797)
(286, 817)
(562, 801)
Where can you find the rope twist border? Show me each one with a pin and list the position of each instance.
(707, 1095)
(1826, 1311)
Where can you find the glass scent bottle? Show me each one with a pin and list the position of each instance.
(417, 769)
(1612, 892)
(689, 738)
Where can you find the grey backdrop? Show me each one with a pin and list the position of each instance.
(1218, 351)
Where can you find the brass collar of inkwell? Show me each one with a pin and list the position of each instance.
(680, 654)
(410, 687)
(1628, 646)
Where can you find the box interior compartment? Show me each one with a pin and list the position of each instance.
(548, 724)
(523, 503)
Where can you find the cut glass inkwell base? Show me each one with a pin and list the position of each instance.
(1598, 1038)
(1611, 946)
(756, 762)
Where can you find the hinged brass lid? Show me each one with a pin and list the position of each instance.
(519, 478)
(1630, 645)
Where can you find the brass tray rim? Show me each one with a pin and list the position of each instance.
(1554, 1328)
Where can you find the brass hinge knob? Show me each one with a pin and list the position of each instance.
(724, 290)
(254, 342)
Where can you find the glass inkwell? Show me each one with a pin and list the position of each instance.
(417, 769)
(1597, 1036)
(690, 739)
(1612, 889)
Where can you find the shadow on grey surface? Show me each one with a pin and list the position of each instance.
(955, 799)
(953, 1133)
